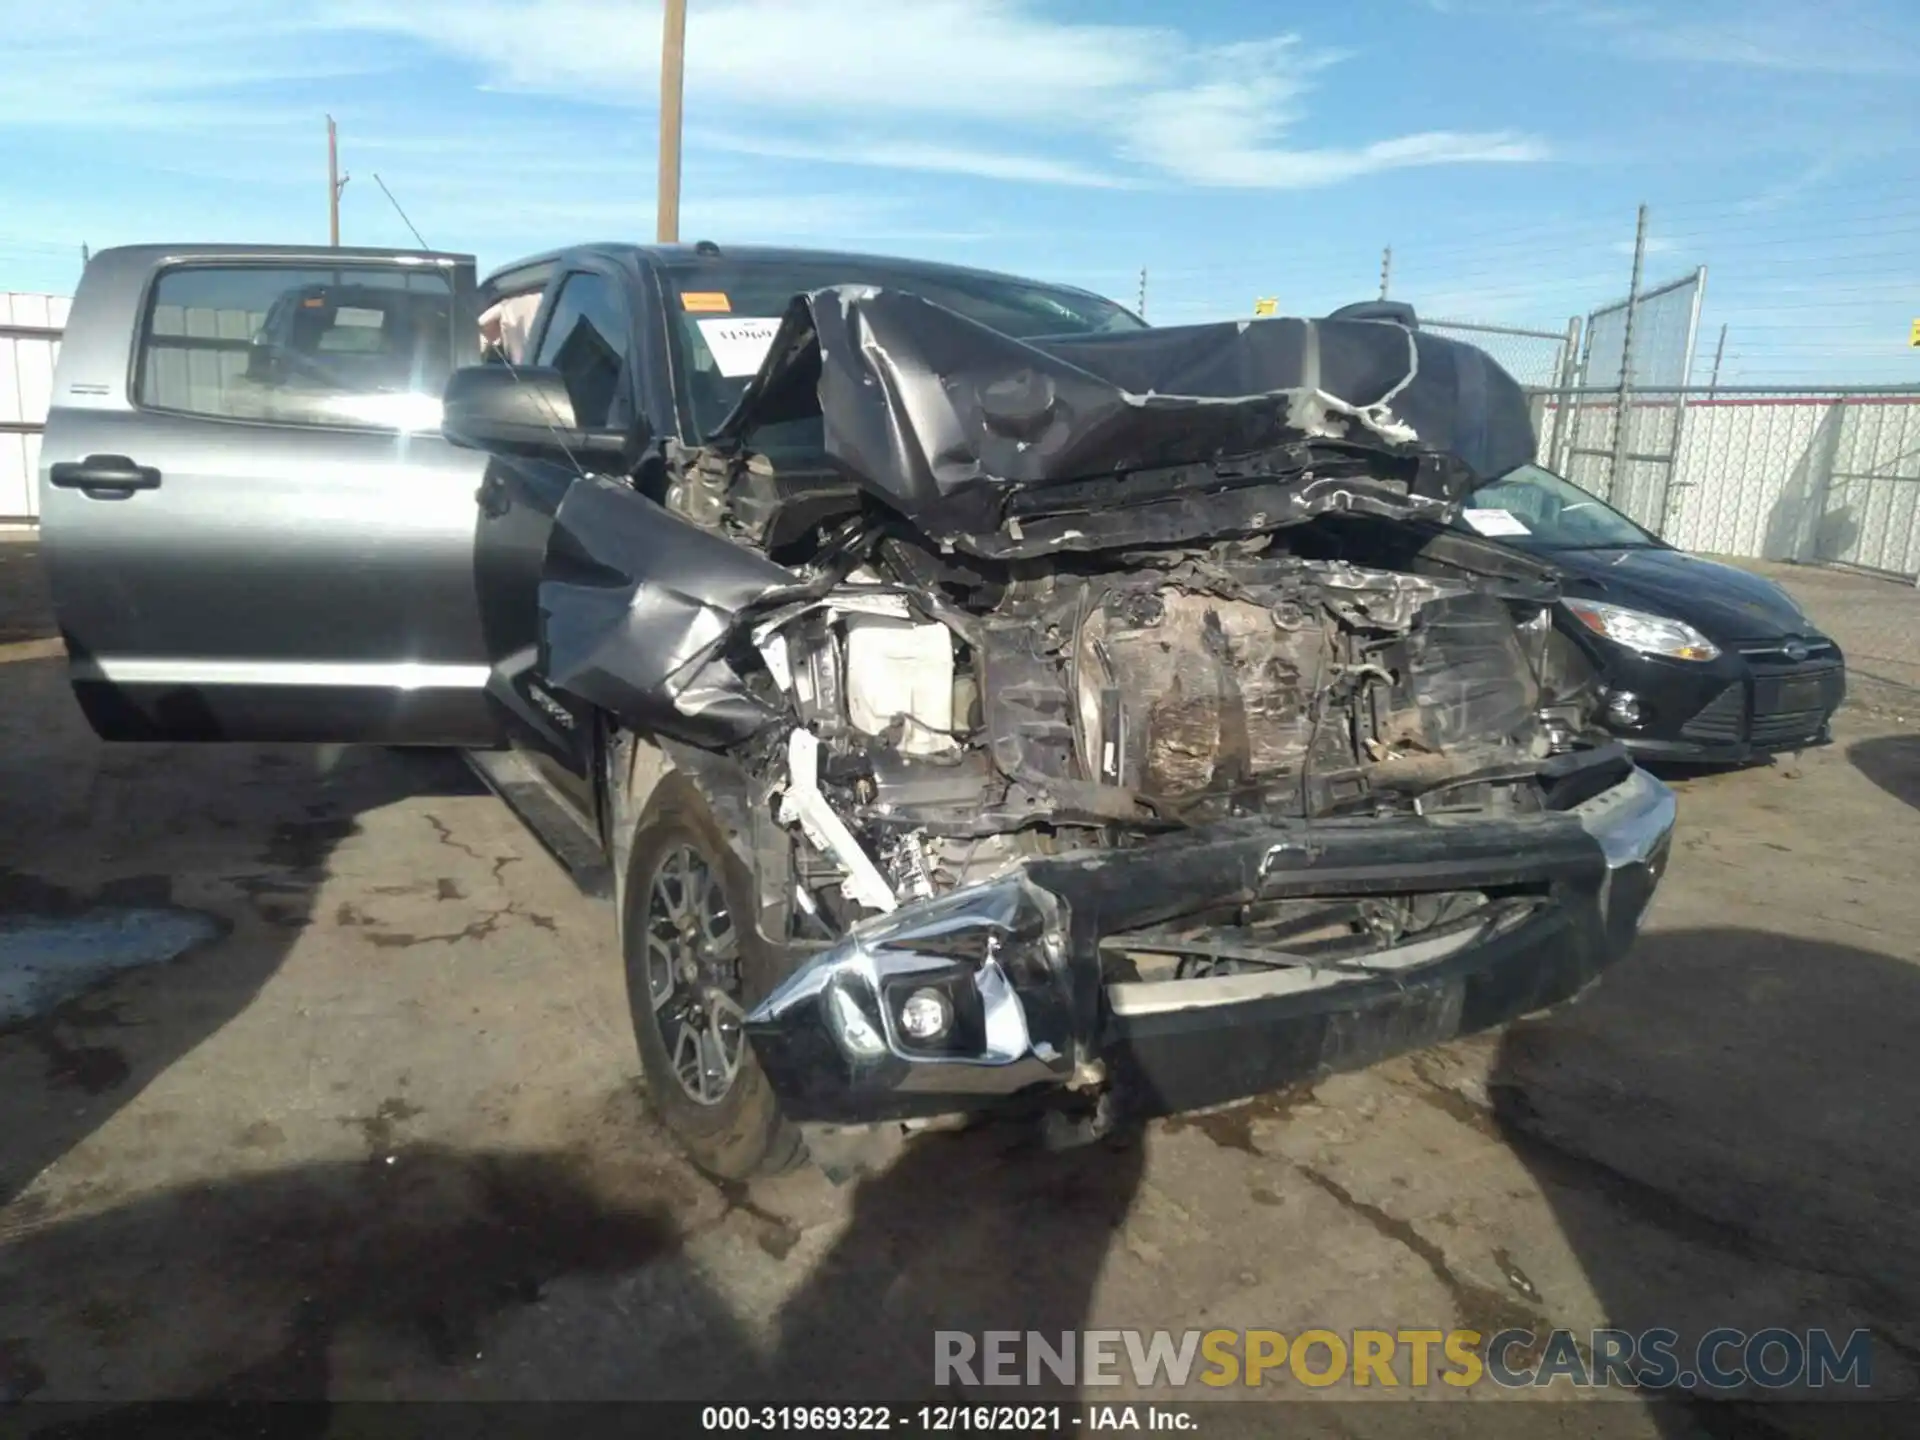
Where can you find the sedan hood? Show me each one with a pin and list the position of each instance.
(958, 427)
(1725, 604)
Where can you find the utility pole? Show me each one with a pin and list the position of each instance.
(673, 70)
(1622, 418)
(1566, 378)
(1386, 270)
(1142, 306)
(336, 182)
(1719, 351)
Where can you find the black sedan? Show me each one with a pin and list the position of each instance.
(1697, 661)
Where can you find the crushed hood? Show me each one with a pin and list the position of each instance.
(947, 420)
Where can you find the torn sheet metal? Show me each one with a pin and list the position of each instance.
(942, 417)
(634, 601)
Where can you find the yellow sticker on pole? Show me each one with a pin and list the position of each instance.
(1913, 335)
(1270, 305)
(710, 302)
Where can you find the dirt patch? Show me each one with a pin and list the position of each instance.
(382, 1128)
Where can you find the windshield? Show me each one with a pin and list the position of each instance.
(725, 314)
(1536, 509)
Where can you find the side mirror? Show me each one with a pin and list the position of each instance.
(525, 410)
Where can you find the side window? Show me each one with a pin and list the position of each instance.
(362, 347)
(586, 341)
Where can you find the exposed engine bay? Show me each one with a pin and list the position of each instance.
(952, 719)
(923, 671)
(1069, 704)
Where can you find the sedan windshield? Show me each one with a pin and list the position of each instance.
(725, 313)
(1536, 510)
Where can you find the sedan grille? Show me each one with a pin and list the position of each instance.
(1722, 720)
(1790, 705)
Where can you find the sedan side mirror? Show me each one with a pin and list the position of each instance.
(526, 410)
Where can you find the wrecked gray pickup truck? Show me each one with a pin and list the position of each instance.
(973, 698)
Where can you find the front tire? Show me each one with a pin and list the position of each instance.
(695, 965)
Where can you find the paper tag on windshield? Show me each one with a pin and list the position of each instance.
(738, 346)
(359, 318)
(1495, 522)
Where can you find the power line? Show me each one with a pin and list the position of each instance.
(1590, 232)
(398, 211)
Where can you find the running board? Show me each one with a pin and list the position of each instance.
(558, 827)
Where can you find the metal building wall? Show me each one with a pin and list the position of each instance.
(30, 327)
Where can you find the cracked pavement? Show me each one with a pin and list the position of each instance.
(380, 1136)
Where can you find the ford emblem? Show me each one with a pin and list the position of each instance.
(1795, 650)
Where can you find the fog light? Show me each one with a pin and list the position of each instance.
(925, 1015)
(1623, 709)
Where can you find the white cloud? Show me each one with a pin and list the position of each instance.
(212, 64)
(1784, 192)
(917, 155)
(227, 95)
(877, 82)
(1797, 38)
(1840, 37)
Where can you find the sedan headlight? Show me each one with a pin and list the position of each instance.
(1637, 630)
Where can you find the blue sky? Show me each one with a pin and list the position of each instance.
(1233, 148)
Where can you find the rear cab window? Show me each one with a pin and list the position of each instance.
(353, 346)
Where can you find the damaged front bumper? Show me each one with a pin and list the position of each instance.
(1015, 965)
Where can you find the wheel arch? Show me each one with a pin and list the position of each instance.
(638, 768)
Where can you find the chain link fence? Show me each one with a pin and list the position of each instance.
(1830, 476)
(1544, 361)
(1538, 359)
(1583, 380)
(30, 328)
(1654, 349)
(1606, 443)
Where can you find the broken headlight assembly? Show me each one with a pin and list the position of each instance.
(972, 978)
(1649, 634)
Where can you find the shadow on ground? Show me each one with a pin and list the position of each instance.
(203, 864)
(1725, 1130)
(1892, 762)
(249, 829)
(386, 1276)
(207, 859)
(265, 1285)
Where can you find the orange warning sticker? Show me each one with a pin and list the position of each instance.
(711, 302)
